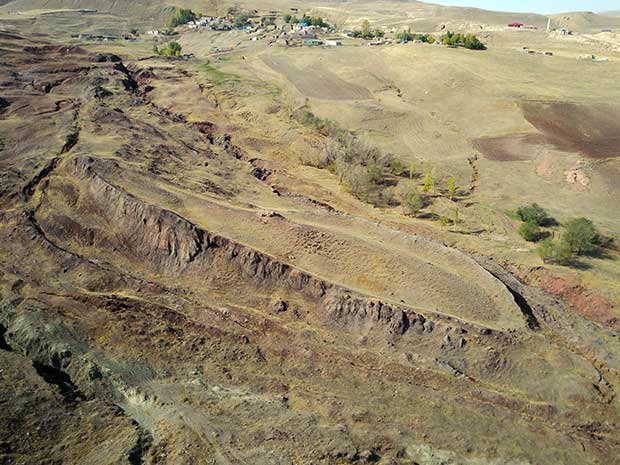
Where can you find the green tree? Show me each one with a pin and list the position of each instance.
(242, 19)
(456, 215)
(533, 213)
(530, 231)
(366, 29)
(581, 236)
(428, 182)
(287, 18)
(412, 170)
(558, 252)
(171, 49)
(182, 16)
(451, 187)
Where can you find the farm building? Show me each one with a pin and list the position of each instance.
(333, 42)
(312, 43)
(516, 25)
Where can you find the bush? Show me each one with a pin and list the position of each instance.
(530, 231)
(375, 173)
(558, 252)
(533, 214)
(413, 203)
(171, 49)
(397, 167)
(182, 16)
(581, 236)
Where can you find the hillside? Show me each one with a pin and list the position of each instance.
(269, 252)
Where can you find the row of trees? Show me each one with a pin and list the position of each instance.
(408, 36)
(372, 176)
(367, 33)
(308, 20)
(469, 41)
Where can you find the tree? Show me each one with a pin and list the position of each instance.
(558, 252)
(530, 231)
(413, 203)
(366, 29)
(182, 16)
(469, 41)
(287, 18)
(451, 187)
(456, 215)
(533, 213)
(411, 170)
(242, 19)
(171, 49)
(581, 236)
(428, 182)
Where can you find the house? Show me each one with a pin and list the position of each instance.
(309, 35)
(516, 25)
(312, 43)
(333, 42)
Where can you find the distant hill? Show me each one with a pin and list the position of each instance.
(155, 11)
(586, 21)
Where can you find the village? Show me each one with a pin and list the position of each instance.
(292, 28)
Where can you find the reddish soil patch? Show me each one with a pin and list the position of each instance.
(592, 130)
(587, 303)
(509, 148)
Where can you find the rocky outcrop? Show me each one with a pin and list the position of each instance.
(353, 311)
(170, 244)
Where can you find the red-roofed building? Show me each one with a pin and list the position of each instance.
(516, 25)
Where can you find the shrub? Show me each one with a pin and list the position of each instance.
(171, 49)
(397, 167)
(530, 231)
(375, 173)
(581, 236)
(182, 16)
(533, 214)
(558, 252)
(413, 203)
